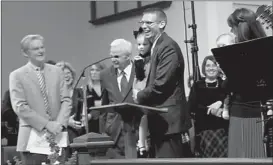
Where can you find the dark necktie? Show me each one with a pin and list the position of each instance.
(123, 84)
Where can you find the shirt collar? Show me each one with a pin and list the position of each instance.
(153, 46)
(127, 70)
(34, 67)
(156, 40)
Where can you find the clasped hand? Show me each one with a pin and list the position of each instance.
(54, 127)
(215, 109)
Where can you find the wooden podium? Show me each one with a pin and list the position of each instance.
(128, 111)
(91, 146)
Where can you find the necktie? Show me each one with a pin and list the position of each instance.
(123, 84)
(42, 84)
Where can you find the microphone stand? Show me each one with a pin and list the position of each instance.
(84, 110)
(196, 71)
(82, 73)
(194, 47)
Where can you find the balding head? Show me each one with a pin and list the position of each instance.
(121, 46)
(225, 39)
(122, 50)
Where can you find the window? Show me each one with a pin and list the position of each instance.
(107, 11)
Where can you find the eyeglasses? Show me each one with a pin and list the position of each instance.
(149, 23)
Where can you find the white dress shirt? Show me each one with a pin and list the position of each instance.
(153, 46)
(127, 71)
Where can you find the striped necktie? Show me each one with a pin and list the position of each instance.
(123, 84)
(42, 84)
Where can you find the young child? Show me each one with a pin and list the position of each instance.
(142, 66)
(224, 40)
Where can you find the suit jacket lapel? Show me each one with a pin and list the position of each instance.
(155, 54)
(115, 84)
(31, 75)
(131, 80)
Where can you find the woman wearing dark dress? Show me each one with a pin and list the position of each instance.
(206, 102)
(245, 133)
(93, 95)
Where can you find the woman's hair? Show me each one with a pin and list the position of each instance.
(211, 58)
(243, 22)
(65, 65)
(101, 66)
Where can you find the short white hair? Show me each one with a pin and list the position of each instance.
(122, 45)
(25, 42)
(229, 35)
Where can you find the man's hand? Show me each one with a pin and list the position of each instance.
(73, 123)
(54, 127)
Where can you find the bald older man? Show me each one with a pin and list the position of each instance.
(116, 82)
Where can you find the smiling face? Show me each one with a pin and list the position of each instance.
(121, 58)
(143, 45)
(68, 76)
(211, 70)
(152, 25)
(36, 52)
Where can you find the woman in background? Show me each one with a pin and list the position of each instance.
(74, 125)
(206, 102)
(245, 134)
(94, 94)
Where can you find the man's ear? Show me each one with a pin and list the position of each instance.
(162, 24)
(24, 53)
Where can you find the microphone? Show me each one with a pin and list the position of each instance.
(82, 73)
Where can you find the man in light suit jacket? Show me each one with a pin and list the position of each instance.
(27, 99)
(111, 82)
(164, 88)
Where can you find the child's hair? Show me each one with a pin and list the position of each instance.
(136, 33)
(139, 64)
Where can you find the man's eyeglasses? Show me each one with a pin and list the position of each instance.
(149, 23)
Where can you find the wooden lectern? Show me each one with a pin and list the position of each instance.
(91, 146)
(128, 112)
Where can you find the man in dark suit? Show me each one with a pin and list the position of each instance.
(165, 88)
(116, 82)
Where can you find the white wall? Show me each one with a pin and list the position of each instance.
(63, 24)
(70, 37)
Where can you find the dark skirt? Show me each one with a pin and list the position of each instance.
(213, 143)
(245, 134)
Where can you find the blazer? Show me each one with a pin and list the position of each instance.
(165, 88)
(112, 122)
(27, 100)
